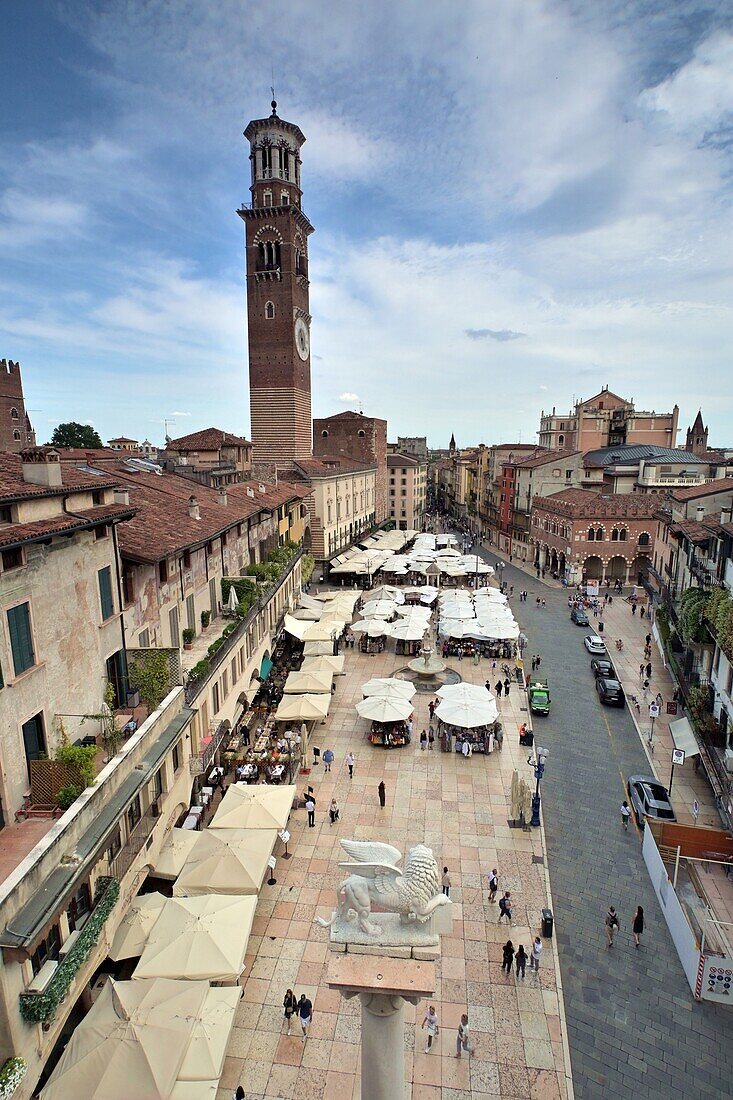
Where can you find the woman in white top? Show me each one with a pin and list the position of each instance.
(534, 958)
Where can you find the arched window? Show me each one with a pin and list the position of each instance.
(285, 198)
(16, 434)
(267, 198)
(599, 534)
(14, 414)
(561, 439)
(643, 539)
(269, 310)
(361, 433)
(614, 535)
(622, 535)
(591, 535)
(324, 433)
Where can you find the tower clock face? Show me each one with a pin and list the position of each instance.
(302, 338)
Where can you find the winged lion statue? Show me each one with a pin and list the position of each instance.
(375, 879)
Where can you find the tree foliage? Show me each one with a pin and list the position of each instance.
(73, 434)
(719, 612)
(691, 624)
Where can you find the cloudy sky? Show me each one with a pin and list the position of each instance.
(515, 204)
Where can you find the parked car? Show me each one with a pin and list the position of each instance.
(610, 691)
(594, 644)
(579, 617)
(601, 666)
(649, 799)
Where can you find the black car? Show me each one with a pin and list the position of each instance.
(579, 617)
(610, 691)
(601, 666)
(649, 799)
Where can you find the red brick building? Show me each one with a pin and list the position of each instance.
(16, 433)
(357, 436)
(581, 535)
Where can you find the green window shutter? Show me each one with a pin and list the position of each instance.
(105, 593)
(21, 638)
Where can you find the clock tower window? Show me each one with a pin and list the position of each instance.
(269, 310)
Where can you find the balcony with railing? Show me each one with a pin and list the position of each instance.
(136, 841)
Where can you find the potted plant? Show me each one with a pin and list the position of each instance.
(188, 636)
(205, 619)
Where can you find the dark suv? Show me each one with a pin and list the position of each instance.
(579, 617)
(601, 666)
(610, 691)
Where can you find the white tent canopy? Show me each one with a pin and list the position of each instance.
(390, 708)
(469, 713)
(300, 683)
(199, 938)
(388, 686)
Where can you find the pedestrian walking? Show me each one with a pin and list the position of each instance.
(431, 738)
(382, 791)
(445, 881)
(521, 960)
(462, 1037)
(641, 671)
(625, 815)
(612, 923)
(305, 1012)
(507, 956)
(534, 955)
(642, 613)
(649, 670)
(505, 907)
(493, 885)
(539, 660)
(498, 688)
(350, 763)
(238, 1093)
(633, 609)
(534, 663)
(637, 925)
(431, 709)
(310, 808)
(431, 1021)
(327, 760)
(290, 1005)
(333, 811)
(507, 685)
(423, 739)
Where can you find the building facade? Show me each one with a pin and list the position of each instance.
(407, 491)
(360, 437)
(278, 307)
(16, 431)
(211, 457)
(341, 500)
(606, 420)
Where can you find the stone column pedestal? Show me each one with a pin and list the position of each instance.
(383, 985)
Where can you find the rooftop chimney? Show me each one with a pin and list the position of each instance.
(41, 467)
(699, 513)
(193, 508)
(121, 496)
(222, 497)
(725, 515)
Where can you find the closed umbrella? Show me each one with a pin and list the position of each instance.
(299, 683)
(232, 600)
(384, 708)
(199, 938)
(468, 714)
(303, 708)
(388, 686)
(132, 1042)
(226, 861)
(262, 806)
(174, 853)
(135, 927)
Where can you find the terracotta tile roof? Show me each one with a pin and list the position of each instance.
(399, 459)
(64, 523)
(208, 439)
(543, 458)
(122, 439)
(14, 487)
(697, 532)
(586, 504)
(722, 485)
(332, 465)
(92, 455)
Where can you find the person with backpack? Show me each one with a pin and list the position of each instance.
(612, 923)
(505, 907)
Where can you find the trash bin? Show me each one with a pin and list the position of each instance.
(547, 923)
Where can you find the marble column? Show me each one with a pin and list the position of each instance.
(382, 1046)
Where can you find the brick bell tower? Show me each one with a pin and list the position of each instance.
(279, 320)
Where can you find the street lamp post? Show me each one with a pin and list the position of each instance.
(539, 770)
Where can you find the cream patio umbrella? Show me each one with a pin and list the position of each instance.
(373, 628)
(458, 628)
(323, 631)
(468, 714)
(303, 708)
(457, 611)
(262, 806)
(317, 649)
(195, 1090)
(174, 853)
(387, 708)
(136, 925)
(307, 614)
(387, 687)
(300, 683)
(414, 611)
(408, 630)
(225, 861)
(387, 592)
(378, 609)
(327, 663)
(212, 1027)
(459, 693)
(131, 1043)
(296, 627)
(500, 631)
(199, 938)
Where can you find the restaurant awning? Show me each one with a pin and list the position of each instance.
(197, 938)
(684, 737)
(226, 861)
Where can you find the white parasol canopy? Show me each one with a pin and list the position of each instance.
(226, 861)
(212, 1028)
(378, 609)
(408, 630)
(323, 631)
(174, 853)
(135, 927)
(298, 708)
(388, 687)
(300, 683)
(199, 938)
(261, 806)
(326, 663)
(388, 708)
(470, 713)
(387, 592)
(500, 631)
(457, 611)
(373, 628)
(460, 693)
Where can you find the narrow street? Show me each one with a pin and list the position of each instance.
(633, 1025)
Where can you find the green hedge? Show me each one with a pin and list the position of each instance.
(11, 1074)
(39, 1008)
(719, 613)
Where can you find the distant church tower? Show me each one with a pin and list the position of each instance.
(452, 445)
(277, 234)
(697, 437)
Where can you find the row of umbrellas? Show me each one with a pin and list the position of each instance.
(483, 615)
(388, 699)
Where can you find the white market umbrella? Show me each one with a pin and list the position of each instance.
(373, 628)
(174, 853)
(257, 806)
(226, 861)
(457, 628)
(384, 709)
(300, 683)
(326, 663)
(199, 938)
(323, 631)
(296, 627)
(414, 611)
(502, 632)
(378, 609)
(388, 687)
(132, 1042)
(318, 649)
(387, 592)
(207, 1047)
(457, 611)
(135, 927)
(470, 713)
(232, 601)
(408, 630)
(300, 708)
(459, 693)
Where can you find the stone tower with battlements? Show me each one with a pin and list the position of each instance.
(16, 432)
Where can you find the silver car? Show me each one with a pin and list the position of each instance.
(649, 799)
(594, 644)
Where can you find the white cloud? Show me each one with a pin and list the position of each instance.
(27, 219)
(349, 398)
(697, 96)
(180, 414)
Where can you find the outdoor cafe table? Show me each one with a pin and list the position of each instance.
(261, 743)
